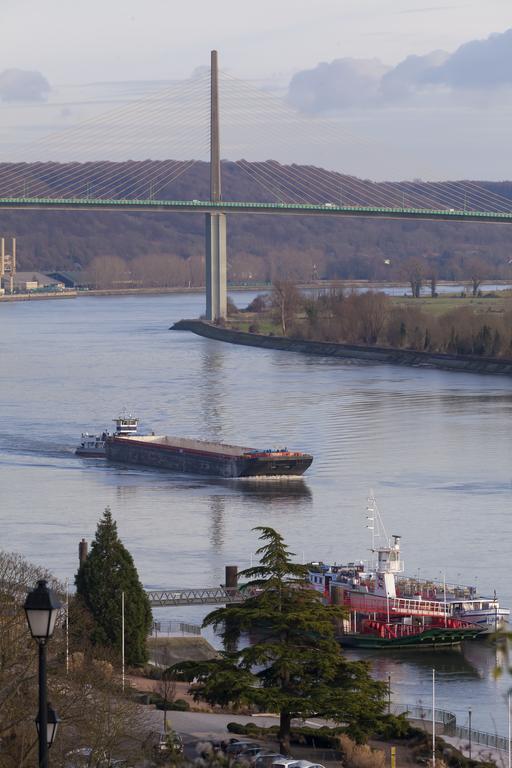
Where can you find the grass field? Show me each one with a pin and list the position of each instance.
(443, 304)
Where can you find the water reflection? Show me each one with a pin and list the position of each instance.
(398, 664)
(212, 392)
(217, 510)
(269, 491)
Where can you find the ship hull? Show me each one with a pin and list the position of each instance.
(430, 638)
(90, 454)
(196, 462)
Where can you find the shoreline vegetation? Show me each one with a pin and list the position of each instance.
(360, 354)
(449, 332)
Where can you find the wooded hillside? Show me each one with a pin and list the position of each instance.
(260, 247)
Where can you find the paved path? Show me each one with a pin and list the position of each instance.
(478, 751)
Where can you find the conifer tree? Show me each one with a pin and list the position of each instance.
(294, 665)
(107, 572)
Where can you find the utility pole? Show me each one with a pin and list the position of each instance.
(215, 224)
(122, 641)
(433, 718)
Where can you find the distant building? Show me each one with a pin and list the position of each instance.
(69, 279)
(33, 281)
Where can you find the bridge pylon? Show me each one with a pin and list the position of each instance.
(215, 223)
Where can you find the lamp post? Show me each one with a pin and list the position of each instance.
(52, 723)
(470, 733)
(41, 607)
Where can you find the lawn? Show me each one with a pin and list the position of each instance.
(443, 304)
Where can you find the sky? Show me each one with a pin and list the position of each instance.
(427, 83)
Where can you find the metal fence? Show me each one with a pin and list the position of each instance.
(418, 712)
(449, 721)
(174, 628)
(481, 737)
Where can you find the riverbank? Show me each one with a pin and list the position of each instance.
(38, 296)
(387, 355)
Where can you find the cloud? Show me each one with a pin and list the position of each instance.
(479, 68)
(478, 64)
(403, 81)
(337, 85)
(23, 85)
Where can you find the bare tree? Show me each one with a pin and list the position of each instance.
(372, 310)
(414, 271)
(107, 271)
(286, 301)
(86, 693)
(166, 688)
(476, 270)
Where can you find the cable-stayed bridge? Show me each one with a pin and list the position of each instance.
(119, 161)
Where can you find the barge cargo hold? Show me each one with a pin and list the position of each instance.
(200, 457)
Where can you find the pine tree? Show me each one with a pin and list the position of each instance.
(294, 665)
(109, 571)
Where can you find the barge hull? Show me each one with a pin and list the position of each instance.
(180, 460)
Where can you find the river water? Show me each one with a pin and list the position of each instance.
(434, 446)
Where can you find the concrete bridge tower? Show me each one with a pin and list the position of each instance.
(215, 256)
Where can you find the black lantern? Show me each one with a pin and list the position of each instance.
(52, 723)
(41, 607)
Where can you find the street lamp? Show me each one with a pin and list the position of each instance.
(470, 733)
(41, 607)
(52, 723)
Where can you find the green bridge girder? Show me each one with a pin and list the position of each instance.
(225, 206)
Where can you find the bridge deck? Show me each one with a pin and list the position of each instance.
(226, 206)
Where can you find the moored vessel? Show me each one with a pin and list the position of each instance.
(386, 610)
(201, 457)
(93, 446)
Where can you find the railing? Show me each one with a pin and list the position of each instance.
(481, 737)
(368, 603)
(449, 721)
(200, 596)
(174, 627)
(418, 712)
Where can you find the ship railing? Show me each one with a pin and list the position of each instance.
(366, 602)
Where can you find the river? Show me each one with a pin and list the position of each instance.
(434, 446)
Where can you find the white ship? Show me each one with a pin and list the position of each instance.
(93, 446)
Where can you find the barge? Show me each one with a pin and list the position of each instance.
(201, 457)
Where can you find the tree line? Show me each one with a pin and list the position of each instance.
(372, 318)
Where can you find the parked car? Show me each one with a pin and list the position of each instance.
(266, 759)
(236, 747)
(250, 754)
(284, 762)
(305, 764)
